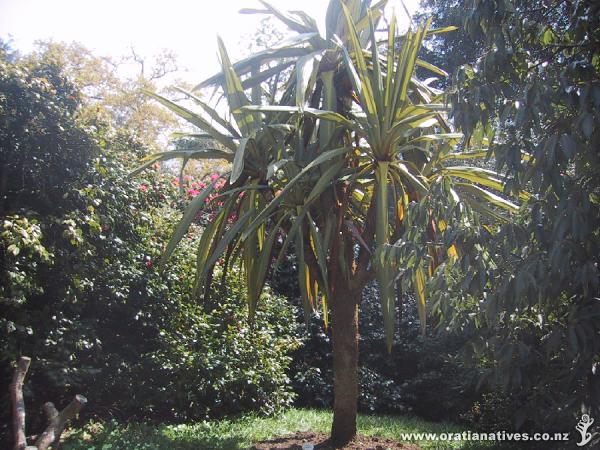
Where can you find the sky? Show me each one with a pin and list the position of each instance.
(112, 27)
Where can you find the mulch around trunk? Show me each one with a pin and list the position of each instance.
(321, 442)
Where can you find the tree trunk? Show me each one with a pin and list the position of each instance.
(345, 360)
(18, 403)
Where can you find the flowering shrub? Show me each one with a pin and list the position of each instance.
(190, 187)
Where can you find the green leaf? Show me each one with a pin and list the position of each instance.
(236, 97)
(320, 254)
(323, 157)
(362, 82)
(184, 224)
(488, 196)
(238, 161)
(292, 47)
(258, 78)
(435, 31)
(306, 71)
(228, 237)
(209, 238)
(419, 283)
(288, 20)
(186, 154)
(431, 68)
(413, 179)
(466, 155)
(263, 264)
(210, 111)
(312, 112)
(477, 175)
(194, 119)
(382, 268)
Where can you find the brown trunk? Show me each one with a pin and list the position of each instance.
(345, 360)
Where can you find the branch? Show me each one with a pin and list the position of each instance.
(57, 422)
(18, 403)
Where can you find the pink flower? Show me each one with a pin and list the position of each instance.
(193, 192)
(144, 187)
(149, 264)
(214, 177)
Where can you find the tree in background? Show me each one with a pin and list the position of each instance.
(112, 87)
(533, 87)
(355, 164)
(448, 50)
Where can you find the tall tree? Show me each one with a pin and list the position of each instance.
(355, 164)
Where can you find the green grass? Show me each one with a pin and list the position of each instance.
(242, 433)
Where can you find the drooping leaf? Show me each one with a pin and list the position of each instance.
(186, 154)
(238, 161)
(247, 122)
(194, 119)
(317, 113)
(419, 282)
(306, 71)
(189, 215)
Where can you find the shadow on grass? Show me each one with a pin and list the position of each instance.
(242, 433)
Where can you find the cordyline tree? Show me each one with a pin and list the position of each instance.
(350, 159)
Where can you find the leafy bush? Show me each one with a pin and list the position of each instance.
(216, 363)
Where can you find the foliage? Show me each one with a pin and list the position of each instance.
(36, 98)
(530, 307)
(80, 288)
(449, 50)
(242, 433)
(213, 363)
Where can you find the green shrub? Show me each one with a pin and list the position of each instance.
(218, 364)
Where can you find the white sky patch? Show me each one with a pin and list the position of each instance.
(189, 28)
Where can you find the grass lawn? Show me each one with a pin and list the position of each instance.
(242, 433)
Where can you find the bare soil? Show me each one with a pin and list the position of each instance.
(321, 442)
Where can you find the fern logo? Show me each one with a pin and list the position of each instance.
(583, 425)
